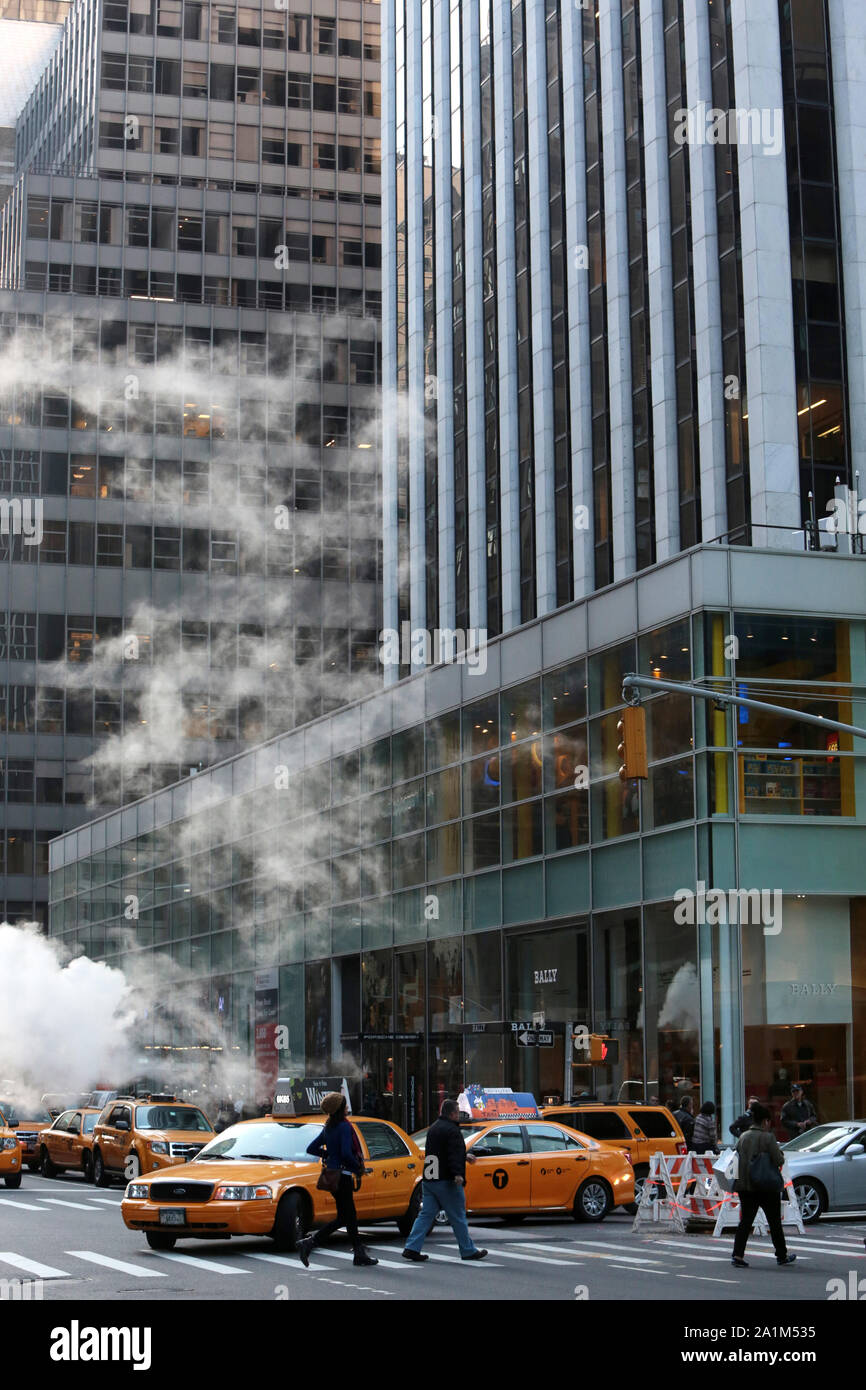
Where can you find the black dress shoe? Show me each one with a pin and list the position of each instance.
(304, 1248)
(476, 1255)
(788, 1260)
(415, 1256)
(362, 1258)
(739, 1263)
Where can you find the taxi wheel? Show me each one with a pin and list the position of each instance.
(46, 1167)
(640, 1177)
(593, 1201)
(406, 1222)
(14, 1181)
(87, 1168)
(100, 1176)
(292, 1221)
(157, 1240)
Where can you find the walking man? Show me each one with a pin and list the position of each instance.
(744, 1121)
(757, 1189)
(444, 1180)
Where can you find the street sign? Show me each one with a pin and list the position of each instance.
(527, 1039)
(544, 1039)
(525, 1026)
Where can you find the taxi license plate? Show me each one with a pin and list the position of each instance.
(172, 1216)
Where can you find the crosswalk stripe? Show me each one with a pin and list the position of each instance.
(536, 1259)
(347, 1255)
(11, 1257)
(122, 1266)
(61, 1202)
(832, 1247)
(109, 1201)
(707, 1278)
(443, 1259)
(198, 1263)
(22, 1206)
(291, 1262)
(584, 1253)
(725, 1254)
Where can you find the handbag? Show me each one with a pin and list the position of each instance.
(329, 1180)
(727, 1169)
(764, 1176)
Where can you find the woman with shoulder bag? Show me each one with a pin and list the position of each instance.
(342, 1166)
(760, 1185)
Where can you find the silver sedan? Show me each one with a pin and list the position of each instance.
(828, 1168)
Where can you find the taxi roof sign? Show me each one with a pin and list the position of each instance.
(303, 1095)
(497, 1103)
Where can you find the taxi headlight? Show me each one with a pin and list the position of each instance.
(159, 1146)
(136, 1189)
(9, 1143)
(234, 1192)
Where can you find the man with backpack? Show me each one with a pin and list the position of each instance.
(759, 1186)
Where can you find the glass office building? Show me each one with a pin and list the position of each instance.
(190, 337)
(399, 883)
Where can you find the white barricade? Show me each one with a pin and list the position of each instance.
(680, 1186)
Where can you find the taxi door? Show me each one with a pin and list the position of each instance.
(116, 1138)
(558, 1163)
(499, 1179)
(387, 1189)
(56, 1140)
(74, 1145)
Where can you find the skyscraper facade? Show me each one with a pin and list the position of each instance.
(189, 432)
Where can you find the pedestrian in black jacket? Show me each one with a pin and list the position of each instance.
(798, 1114)
(744, 1121)
(338, 1145)
(758, 1140)
(445, 1162)
(685, 1119)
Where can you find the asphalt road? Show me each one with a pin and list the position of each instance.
(70, 1236)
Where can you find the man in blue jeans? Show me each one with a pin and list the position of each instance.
(444, 1180)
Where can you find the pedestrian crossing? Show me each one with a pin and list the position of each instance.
(660, 1254)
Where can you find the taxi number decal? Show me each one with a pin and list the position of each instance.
(500, 1178)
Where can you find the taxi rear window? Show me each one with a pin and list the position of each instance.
(599, 1124)
(655, 1124)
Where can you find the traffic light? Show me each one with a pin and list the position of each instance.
(632, 747)
(603, 1050)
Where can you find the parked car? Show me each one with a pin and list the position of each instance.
(828, 1168)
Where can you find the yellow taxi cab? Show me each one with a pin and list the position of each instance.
(10, 1155)
(68, 1143)
(640, 1130)
(28, 1121)
(257, 1179)
(524, 1167)
(138, 1134)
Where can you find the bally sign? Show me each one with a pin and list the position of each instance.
(545, 977)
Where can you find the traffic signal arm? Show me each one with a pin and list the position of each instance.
(632, 747)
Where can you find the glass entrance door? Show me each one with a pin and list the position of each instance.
(410, 1108)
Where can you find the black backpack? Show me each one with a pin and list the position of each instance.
(764, 1176)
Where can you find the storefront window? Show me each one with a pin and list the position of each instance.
(670, 794)
(407, 752)
(617, 1007)
(520, 712)
(672, 1005)
(665, 653)
(521, 831)
(443, 796)
(566, 821)
(482, 973)
(480, 843)
(606, 671)
(443, 739)
(803, 1007)
(481, 726)
(481, 784)
(376, 765)
(564, 695)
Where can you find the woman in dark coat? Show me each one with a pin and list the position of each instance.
(704, 1138)
(342, 1151)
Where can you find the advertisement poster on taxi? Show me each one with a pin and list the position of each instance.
(497, 1103)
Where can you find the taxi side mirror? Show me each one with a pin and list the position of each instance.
(122, 1124)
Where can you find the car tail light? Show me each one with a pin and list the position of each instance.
(682, 1148)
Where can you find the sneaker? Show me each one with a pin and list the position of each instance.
(304, 1248)
(362, 1258)
(415, 1256)
(788, 1260)
(476, 1255)
(739, 1263)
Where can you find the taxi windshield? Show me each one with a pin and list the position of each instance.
(33, 1114)
(267, 1140)
(170, 1117)
(9, 1113)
